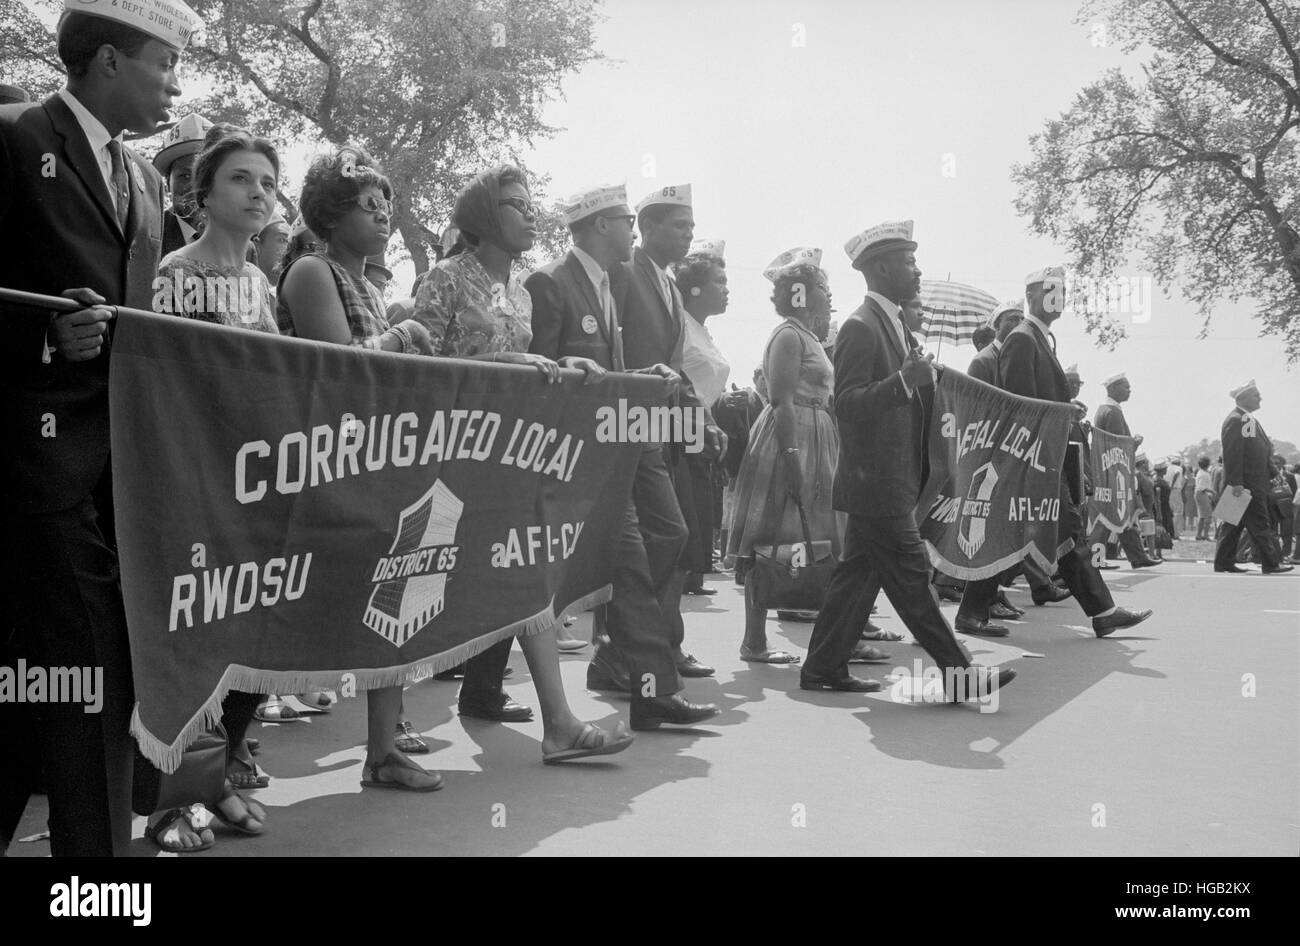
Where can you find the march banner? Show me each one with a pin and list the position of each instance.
(294, 515)
(993, 496)
(1114, 500)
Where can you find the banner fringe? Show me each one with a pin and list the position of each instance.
(966, 573)
(167, 757)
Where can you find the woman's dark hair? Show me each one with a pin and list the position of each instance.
(696, 271)
(783, 292)
(333, 184)
(81, 35)
(477, 215)
(217, 146)
(1203, 463)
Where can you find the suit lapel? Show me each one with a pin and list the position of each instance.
(647, 267)
(887, 328)
(77, 155)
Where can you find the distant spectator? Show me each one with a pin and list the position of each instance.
(1205, 498)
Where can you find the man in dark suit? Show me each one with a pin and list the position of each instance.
(982, 599)
(574, 316)
(883, 416)
(175, 162)
(1110, 418)
(654, 332)
(1247, 453)
(1027, 366)
(77, 209)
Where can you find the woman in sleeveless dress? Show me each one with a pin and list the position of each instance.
(326, 296)
(793, 446)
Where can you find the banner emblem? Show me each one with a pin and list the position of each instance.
(975, 511)
(421, 555)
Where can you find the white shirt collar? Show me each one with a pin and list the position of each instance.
(1039, 323)
(188, 232)
(593, 269)
(96, 133)
(997, 344)
(891, 308)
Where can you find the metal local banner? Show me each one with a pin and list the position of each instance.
(1114, 483)
(289, 512)
(994, 492)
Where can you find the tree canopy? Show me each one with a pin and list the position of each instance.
(1193, 166)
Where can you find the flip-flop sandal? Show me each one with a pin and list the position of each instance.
(614, 742)
(247, 775)
(869, 655)
(880, 634)
(372, 776)
(242, 824)
(316, 698)
(408, 741)
(769, 657)
(275, 710)
(166, 833)
(254, 746)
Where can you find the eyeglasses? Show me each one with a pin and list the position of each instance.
(630, 219)
(525, 208)
(375, 205)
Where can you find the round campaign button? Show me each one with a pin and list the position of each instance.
(589, 324)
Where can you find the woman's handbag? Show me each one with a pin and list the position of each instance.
(792, 577)
(201, 777)
(1280, 490)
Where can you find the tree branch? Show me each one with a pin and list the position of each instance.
(1292, 94)
(1284, 39)
(302, 32)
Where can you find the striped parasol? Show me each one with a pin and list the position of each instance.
(953, 310)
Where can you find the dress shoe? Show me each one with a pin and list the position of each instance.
(803, 617)
(1146, 563)
(1006, 603)
(1278, 569)
(1107, 567)
(458, 673)
(1232, 570)
(701, 591)
(601, 676)
(498, 708)
(1002, 612)
(673, 710)
(1050, 595)
(967, 625)
(1117, 619)
(979, 682)
(688, 666)
(948, 592)
(844, 683)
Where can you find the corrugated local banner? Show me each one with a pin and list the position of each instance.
(1114, 483)
(288, 511)
(993, 495)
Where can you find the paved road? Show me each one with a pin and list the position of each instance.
(1147, 742)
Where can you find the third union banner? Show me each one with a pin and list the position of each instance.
(993, 495)
(1114, 484)
(295, 515)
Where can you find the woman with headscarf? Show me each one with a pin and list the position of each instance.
(474, 305)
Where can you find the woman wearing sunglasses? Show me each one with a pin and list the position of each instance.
(324, 295)
(474, 305)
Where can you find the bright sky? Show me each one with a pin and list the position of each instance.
(790, 145)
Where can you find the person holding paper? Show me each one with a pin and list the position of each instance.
(1246, 456)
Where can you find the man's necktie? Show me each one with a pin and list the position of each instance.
(121, 183)
(606, 301)
(611, 322)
